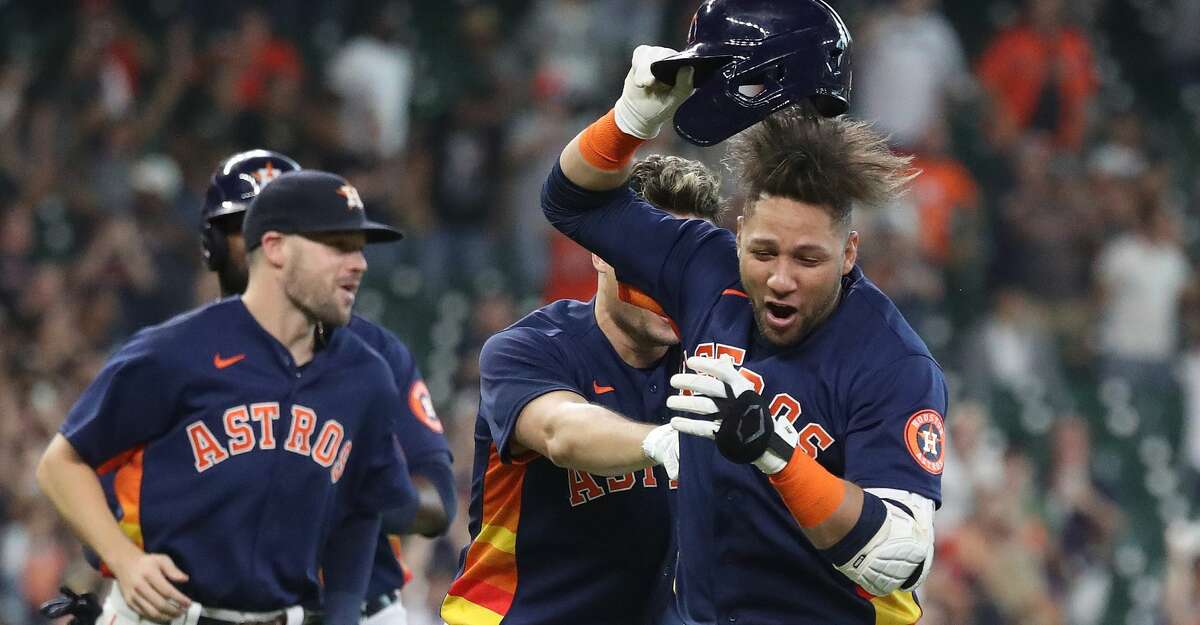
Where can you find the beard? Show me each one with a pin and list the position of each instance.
(233, 280)
(318, 305)
(807, 318)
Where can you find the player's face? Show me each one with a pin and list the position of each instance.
(322, 273)
(235, 274)
(792, 257)
(646, 328)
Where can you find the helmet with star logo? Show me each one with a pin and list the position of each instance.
(237, 181)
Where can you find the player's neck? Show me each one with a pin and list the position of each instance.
(282, 320)
(632, 352)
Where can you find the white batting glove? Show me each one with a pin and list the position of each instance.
(742, 425)
(645, 103)
(662, 446)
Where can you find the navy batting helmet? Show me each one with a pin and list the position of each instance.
(237, 180)
(754, 57)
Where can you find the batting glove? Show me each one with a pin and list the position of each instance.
(646, 104)
(743, 428)
(662, 446)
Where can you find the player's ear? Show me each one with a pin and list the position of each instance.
(741, 220)
(851, 252)
(274, 248)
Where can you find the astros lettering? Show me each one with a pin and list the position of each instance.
(328, 450)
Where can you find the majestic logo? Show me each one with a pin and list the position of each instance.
(222, 363)
(353, 201)
(925, 436)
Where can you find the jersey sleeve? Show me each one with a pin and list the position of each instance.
(382, 481)
(130, 402)
(684, 264)
(417, 424)
(896, 436)
(517, 366)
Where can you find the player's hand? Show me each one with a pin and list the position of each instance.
(742, 425)
(662, 446)
(146, 584)
(645, 103)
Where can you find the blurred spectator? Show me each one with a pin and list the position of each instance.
(373, 74)
(1140, 277)
(947, 201)
(1181, 588)
(1087, 521)
(908, 64)
(467, 147)
(1040, 75)
(1012, 351)
(1189, 376)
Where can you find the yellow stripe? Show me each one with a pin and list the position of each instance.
(459, 611)
(499, 537)
(896, 608)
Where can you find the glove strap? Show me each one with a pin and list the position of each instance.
(604, 146)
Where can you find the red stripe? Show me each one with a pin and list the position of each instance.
(734, 292)
(481, 593)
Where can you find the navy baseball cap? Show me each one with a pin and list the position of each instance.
(309, 200)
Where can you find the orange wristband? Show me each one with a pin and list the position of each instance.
(605, 147)
(810, 492)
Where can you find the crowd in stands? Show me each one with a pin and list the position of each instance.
(1047, 253)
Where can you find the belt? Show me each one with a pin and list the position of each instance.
(310, 618)
(372, 606)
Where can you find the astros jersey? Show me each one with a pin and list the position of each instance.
(862, 390)
(232, 460)
(419, 431)
(553, 545)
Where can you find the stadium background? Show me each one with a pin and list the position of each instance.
(1046, 254)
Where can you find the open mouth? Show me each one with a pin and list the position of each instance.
(780, 316)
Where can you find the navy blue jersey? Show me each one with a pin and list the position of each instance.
(862, 390)
(232, 460)
(553, 545)
(420, 434)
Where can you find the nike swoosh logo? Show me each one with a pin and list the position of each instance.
(221, 363)
(600, 390)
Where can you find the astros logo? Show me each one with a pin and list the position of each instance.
(353, 200)
(925, 436)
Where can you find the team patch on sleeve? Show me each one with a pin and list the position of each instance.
(421, 405)
(925, 436)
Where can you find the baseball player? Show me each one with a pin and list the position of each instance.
(243, 445)
(569, 510)
(235, 182)
(809, 478)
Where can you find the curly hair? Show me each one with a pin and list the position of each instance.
(678, 185)
(831, 163)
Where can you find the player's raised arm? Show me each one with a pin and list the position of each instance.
(599, 158)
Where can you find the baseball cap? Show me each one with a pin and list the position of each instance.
(309, 200)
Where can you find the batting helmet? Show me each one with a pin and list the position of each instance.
(237, 180)
(754, 57)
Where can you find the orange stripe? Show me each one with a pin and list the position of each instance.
(128, 486)
(489, 577)
(484, 594)
(631, 295)
(734, 292)
(115, 462)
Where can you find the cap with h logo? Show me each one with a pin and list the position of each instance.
(308, 201)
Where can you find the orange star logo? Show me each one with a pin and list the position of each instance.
(267, 174)
(353, 201)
